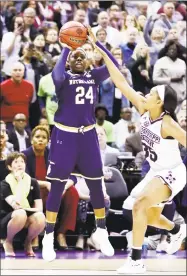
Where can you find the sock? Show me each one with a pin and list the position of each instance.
(101, 222)
(136, 254)
(175, 229)
(49, 227)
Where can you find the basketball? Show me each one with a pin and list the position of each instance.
(74, 34)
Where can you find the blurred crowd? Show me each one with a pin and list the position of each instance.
(147, 38)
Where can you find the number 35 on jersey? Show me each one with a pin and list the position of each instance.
(82, 95)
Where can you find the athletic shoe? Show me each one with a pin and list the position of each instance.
(162, 246)
(100, 237)
(176, 240)
(48, 252)
(132, 267)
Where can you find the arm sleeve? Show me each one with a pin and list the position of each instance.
(5, 189)
(36, 189)
(146, 33)
(100, 74)
(128, 147)
(58, 73)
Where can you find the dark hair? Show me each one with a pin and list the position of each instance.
(23, 38)
(170, 101)
(25, 5)
(170, 43)
(40, 127)
(14, 155)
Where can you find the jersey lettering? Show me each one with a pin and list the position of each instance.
(82, 94)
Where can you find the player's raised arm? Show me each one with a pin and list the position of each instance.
(120, 82)
(58, 73)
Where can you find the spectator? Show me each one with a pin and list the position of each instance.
(133, 144)
(35, 68)
(30, 31)
(92, 9)
(121, 130)
(80, 16)
(141, 22)
(155, 41)
(34, 5)
(110, 96)
(181, 27)
(171, 70)
(39, 43)
(36, 166)
(139, 65)
(113, 35)
(173, 36)
(16, 95)
(116, 17)
(4, 150)
(130, 23)
(52, 45)
(179, 9)
(11, 44)
(128, 48)
(47, 98)
(3, 131)
(47, 11)
(101, 113)
(104, 148)
(101, 35)
(21, 205)
(88, 48)
(166, 20)
(19, 136)
(44, 122)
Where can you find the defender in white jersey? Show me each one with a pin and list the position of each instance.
(160, 136)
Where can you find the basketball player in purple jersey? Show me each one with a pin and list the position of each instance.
(160, 135)
(74, 142)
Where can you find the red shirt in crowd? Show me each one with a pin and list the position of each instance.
(15, 98)
(40, 168)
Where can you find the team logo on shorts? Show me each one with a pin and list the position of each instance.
(170, 178)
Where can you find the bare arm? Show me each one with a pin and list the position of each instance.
(173, 129)
(38, 205)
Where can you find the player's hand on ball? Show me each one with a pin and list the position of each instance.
(91, 35)
(65, 45)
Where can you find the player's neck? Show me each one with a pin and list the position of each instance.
(155, 114)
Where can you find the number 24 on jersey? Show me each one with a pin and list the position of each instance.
(81, 95)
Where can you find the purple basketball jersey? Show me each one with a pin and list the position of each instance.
(76, 100)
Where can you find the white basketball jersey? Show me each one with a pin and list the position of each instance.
(160, 153)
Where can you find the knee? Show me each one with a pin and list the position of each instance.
(20, 216)
(141, 205)
(39, 218)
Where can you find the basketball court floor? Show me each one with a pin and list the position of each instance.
(91, 263)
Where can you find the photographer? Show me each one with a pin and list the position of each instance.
(35, 68)
(12, 43)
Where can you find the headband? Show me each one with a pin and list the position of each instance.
(161, 92)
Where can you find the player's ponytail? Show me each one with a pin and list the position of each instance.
(170, 101)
